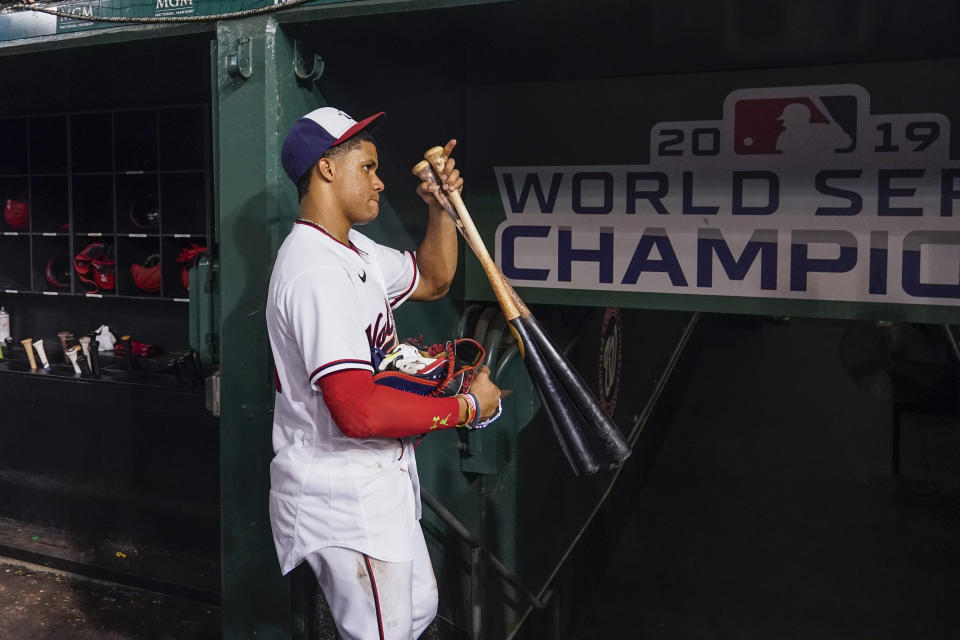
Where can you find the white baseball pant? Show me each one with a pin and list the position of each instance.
(373, 599)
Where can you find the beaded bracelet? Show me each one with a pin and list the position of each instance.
(473, 412)
(482, 423)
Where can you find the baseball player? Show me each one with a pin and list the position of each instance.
(344, 493)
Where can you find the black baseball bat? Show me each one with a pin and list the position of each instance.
(611, 441)
(558, 405)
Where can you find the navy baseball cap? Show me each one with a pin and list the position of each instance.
(311, 136)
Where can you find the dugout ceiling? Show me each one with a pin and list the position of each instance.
(138, 73)
(504, 40)
(550, 40)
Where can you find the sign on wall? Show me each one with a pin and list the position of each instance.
(85, 15)
(797, 193)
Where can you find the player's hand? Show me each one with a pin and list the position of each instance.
(487, 393)
(450, 179)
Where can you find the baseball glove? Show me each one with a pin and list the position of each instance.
(440, 371)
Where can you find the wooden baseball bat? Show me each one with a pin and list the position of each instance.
(531, 336)
(28, 345)
(72, 352)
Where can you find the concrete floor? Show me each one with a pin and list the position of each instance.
(757, 521)
(39, 603)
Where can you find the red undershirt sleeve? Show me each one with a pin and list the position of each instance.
(362, 409)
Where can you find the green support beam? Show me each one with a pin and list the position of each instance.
(250, 116)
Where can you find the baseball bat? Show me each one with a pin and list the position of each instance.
(600, 425)
(587, 409)
(94, 356)
(560, 411)
(85, 345)
(28, 345)
(38, 345)
(72, 357)
(83, 362)
(64, 338)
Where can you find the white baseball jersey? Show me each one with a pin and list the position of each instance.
(328, 304)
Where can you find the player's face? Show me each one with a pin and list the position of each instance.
(358, 185)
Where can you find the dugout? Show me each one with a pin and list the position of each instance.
(114, 475)
(575, 122)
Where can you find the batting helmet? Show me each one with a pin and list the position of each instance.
(58, 274)
(188, 257)
(147, 276)
(16, 212)
(95, 266)
(145, 211)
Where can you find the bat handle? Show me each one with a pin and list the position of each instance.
(424, 171)
(85, 345)
(28, 345)
(501, 288)
(41, 352)
(437, 159)
(83, 362)
(435, 156)
(128, 346)
(64, 336)
(72, 352)
(95, 357)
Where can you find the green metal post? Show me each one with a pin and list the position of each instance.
(256, 98)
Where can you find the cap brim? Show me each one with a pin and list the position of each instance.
(370, 124)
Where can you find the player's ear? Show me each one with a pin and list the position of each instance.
(325, 168)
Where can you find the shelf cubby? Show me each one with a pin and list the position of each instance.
(136, 180)
(48, 145)
(14, 159)
(14, 263)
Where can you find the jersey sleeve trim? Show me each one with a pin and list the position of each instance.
(339, 365)
(413, 285)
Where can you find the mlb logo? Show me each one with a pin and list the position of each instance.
(795, 126)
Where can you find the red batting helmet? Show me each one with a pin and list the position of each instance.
(147, 276)
(16, 211)
(95, 266)
(58, 274)
(189, 256)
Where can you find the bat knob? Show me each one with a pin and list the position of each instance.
(436, 157)
(128, 347)
(432, 152)
(420, 167)
(84, 363)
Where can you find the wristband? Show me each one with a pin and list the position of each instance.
(475, 405)
(472, 408)
(483, 423)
